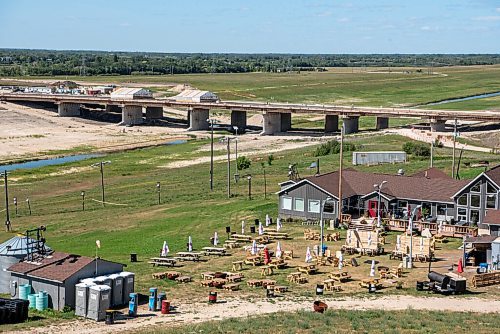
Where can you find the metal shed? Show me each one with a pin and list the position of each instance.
(131, 93)
(12, 251)
(375, 158)
(195, 95)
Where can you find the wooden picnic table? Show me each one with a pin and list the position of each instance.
(276, 235)
(330, 285)
(208, 275)
(214, 251)
(288, 255)
(237, 265)
(163, 261)
(183, 279)
(340, 277)
(254, 283)
(241, 237)
(292, 277)
(308, 269)
(231, 287)
(266, 270)
(188, 256)
(365, 283)
(267, 282)
(234, 277)
(254, 260)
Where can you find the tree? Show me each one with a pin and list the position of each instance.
(243, 162)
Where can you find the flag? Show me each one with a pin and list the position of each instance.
(279, 225)
(165, 250)
(216, 239)
(372, 269)
(98, 243)
(190, 244)
(308, 255)
(261, 229)
(268, 220)
(278, 250)
(242, 227)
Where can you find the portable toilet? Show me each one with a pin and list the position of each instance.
(116, 289)
(128, 285)
(90, 280)
(105, 280)
(82, 298)
(99, 302)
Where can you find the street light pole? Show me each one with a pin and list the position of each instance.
(7, 215)
(236, 152)
(265, 183)
(249, 178)
(379, 189)
(410, 226)
(228, 145)
(83, 200)
(29, 205)
(158, 189)
(322, 225)
(211, 121)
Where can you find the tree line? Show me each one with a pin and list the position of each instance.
(17, 62)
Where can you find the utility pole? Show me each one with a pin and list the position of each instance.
(339, 214)
(236, 178)
(211, 121)
(228, 167)
(432, 153)
(265, 183)
(7, 215)
(101, 164)
(454, 145)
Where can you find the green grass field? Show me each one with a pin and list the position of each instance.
(346, 86)
(347, 321)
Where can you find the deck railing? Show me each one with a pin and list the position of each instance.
(454, 231)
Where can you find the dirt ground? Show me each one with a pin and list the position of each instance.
(234, 308)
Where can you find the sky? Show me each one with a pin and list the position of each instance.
(258, 26)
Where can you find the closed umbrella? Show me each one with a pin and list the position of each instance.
(421, 245)
(165, 249)
(278, 250)
(261, 229)
(278, 224)
(308, 255)
(369, 239)
(372, 269)
(349, 237)
(341, 260)
(398, 242)
(267, 257)
(190, 244)
(440, 228)
(216, 239)
(254, 250)
(242, 227)
(268, 220)
(460, 268)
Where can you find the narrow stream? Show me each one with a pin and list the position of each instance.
(474, 97)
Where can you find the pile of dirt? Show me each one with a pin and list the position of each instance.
(180, 88)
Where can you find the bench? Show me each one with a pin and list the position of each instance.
(280, 288)
(237, 265)
(231, 287)
(254, 283)
(183, 279)
(163, 262)
(485, 279)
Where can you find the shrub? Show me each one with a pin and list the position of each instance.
(270, 159)
(417, 149)
(243, 162)
(332, 147)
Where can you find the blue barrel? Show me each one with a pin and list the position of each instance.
(132, 304)
(42, 301)
(153, 302)
(32, 299)
(24, 291)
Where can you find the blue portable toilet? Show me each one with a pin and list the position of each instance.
(132, 304)
(153, 301)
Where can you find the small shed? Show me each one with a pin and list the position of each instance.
(58, 274)
(375, 158)
(128, 93)
(195, 95)
(495, 254)
(13, 251)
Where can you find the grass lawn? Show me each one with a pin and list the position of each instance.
(347, 321)
(138, 224)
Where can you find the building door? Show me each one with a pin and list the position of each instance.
(372, 208)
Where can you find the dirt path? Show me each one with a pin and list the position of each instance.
(201, 312)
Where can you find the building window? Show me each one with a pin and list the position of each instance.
(314, 206)
(474, 216)
(442, 209)
(491, 201)
(461, 214)
(490, 189)
(462, 200)
(475, 201)
(476, 188)
(299, 204)
(286, 203)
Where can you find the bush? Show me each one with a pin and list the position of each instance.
(332, 147)
(270, 159)
(243, 162)
(417, 149)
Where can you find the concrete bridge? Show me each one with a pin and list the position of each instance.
(277, 116)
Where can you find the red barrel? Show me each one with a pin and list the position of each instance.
(165, 307)
(212, 297)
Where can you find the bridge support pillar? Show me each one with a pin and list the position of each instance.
(68, 109)
(351, 124)
(197, 118)
(382, 123)
(154, 112)
(239, 119)
(438, 125)
(286, 122)
(113, 108)
(331, 123)
(271, 123)
(131, 115)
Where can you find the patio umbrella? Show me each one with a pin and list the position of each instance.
(242, 227)
(308, 255)
(267, 257)
(372, 269)
(278, 224)
(398, 242)
(278, 250)
(190, 244)
(440, 228)
(421, 245)
(369, 239)
(268, 220)
(216, 239)
(341, 260)
(164, 249)
(254, 250)
(460, 268)
(261, 229)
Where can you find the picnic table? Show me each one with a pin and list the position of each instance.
(294, 277)
(254, 283)
(208, 275)
(231, 287)
(234, 277)
(266, 270)
(188, 256)
(330, 285)
(163, 261)
(268, 282)
(365, 283)
(288, 255)
(276, 235)
(214, 251)
(308, 269)
(262, 239)
(340, 277)
(183, 279)
(231, 244)
(254, 260)
(277, 263)
(237, 265)
(280, 288)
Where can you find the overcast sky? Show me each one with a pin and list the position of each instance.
(258, 26)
